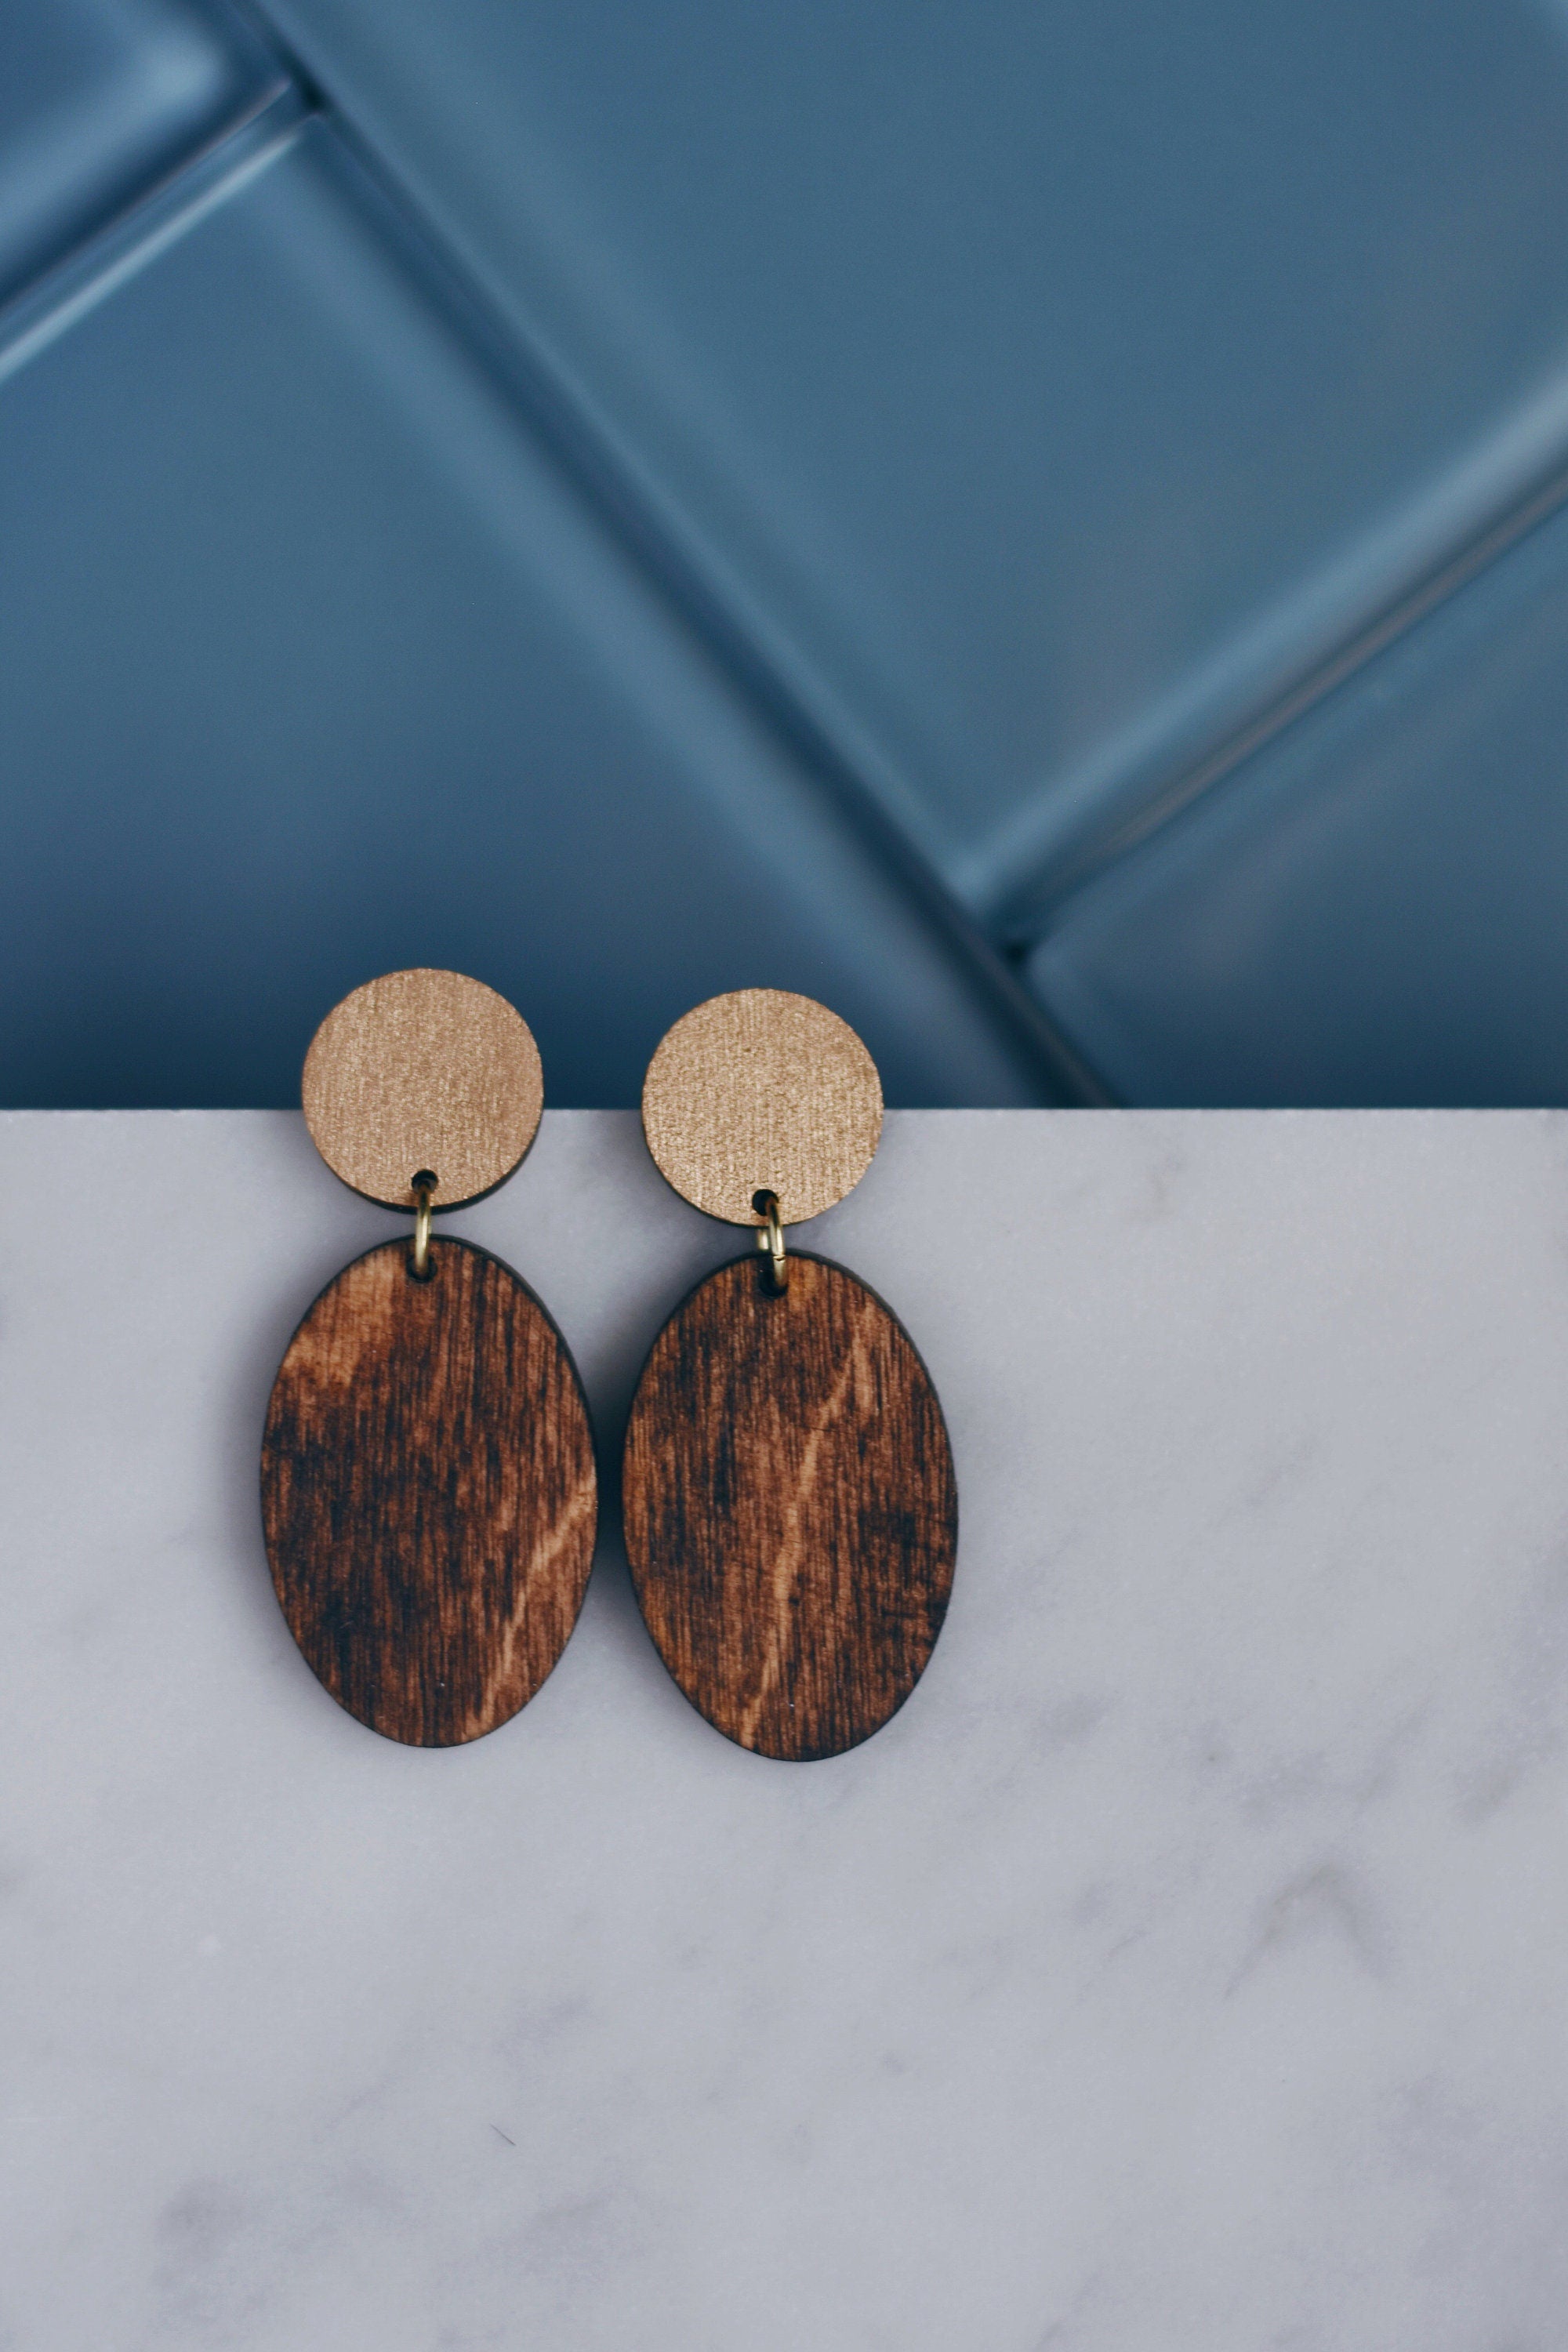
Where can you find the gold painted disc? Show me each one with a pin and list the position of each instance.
(423, 1069)
(761, 1091)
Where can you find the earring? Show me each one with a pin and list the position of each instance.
(428, 1486)
(791, 1510)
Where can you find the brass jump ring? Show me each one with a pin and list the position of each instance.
(770, 1238)
(422, 1189)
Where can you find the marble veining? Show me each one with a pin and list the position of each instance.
(1181, 1967)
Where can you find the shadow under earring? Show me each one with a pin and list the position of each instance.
(791, 1510)
(427, 1482)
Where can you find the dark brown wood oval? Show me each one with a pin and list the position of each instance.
(791, 1510)
(427, 1493)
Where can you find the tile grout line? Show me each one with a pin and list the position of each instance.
(1475, 555)
(75, 282)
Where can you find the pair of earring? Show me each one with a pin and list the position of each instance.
(429, 1498)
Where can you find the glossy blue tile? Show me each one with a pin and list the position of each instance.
(1041, 389)
(315, 666)
(1373, 910)
(99, 99)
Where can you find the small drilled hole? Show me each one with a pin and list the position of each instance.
(764, 1201)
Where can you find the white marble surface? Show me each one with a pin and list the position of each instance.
(1183, 1968)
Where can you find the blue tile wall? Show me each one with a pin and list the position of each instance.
(316, 668)
(1372, 909)
(98, 100)
(1042, 525)
(1044, 386)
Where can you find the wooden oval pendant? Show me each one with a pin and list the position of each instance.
(791, 1510)
(427, 1493)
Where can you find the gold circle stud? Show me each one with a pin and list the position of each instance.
(761, 1092)
(423, 1071)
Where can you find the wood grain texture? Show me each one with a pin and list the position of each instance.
(428, 1492)
(423, 1069)
(761, 1091)
(791, 1510)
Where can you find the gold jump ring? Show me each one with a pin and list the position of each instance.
(771, 1239)
(422, 1189)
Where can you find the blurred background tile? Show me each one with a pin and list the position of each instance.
(1043, 389)
(929, 506)
(316, 668)
(98, 99)
(1372, 909)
